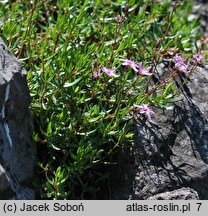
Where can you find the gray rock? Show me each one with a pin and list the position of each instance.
(5, 181)
(171, 151)
(180, 194)
(17, 152)
(201, 10)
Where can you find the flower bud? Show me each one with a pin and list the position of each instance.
(126, 10)
(157, 45)
(151, 90)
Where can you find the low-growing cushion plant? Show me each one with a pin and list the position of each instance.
(92, 73)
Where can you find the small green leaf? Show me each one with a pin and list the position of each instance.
(66, 85)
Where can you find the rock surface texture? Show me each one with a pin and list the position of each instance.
(170, 152)
(17, 153)
(180, 194)
(201, 9)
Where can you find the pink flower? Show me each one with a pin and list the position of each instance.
(143, 71)
(178, 59)
(145, 110)
(96, 74)
(130, 64)
(110, 72)
(198, 58)
(182, 67)
(180, 64)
